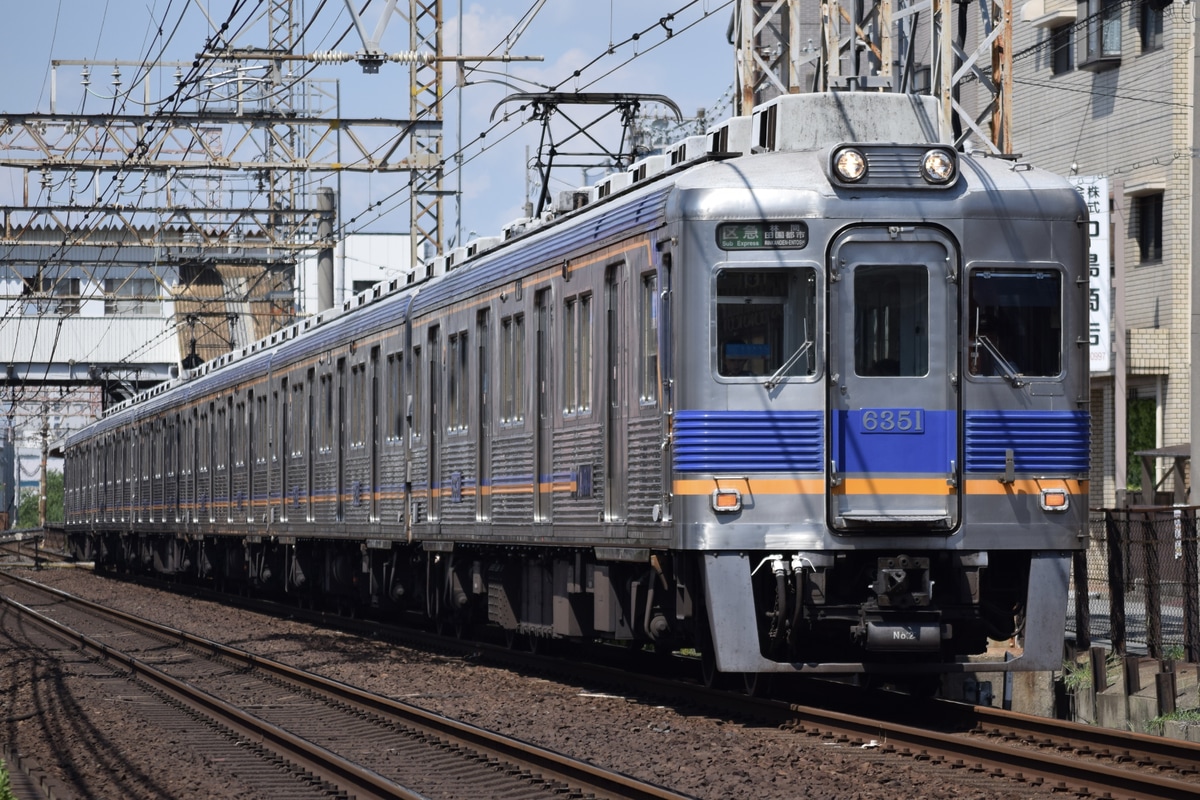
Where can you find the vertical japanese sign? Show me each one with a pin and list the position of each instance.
(1095, 194)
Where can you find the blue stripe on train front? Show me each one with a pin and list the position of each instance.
(793, 441)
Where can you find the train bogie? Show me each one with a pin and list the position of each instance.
(818, 407)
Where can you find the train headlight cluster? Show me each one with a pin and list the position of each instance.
(938, 166)
(850, 164)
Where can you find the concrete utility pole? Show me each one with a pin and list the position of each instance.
(43, 487)
(1195, 244)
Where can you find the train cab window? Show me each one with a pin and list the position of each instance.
(766, 322)
(891, 320)
(1015, 323)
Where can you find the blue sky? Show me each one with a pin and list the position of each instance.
(694, 67)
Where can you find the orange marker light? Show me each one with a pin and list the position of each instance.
(726, 500)
(1055, 500)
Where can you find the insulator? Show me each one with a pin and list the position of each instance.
(330, 57)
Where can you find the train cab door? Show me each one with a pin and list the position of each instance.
(894, 424)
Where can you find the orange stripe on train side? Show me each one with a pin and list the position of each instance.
(1025, 486)
(894, 486)
(705, 486)
(858, 486)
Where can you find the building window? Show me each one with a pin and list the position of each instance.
(1060, 50)
(1149, 211)
(135, 296)
(1152, 25)
(1103, 35)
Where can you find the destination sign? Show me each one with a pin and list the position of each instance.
(762, 235)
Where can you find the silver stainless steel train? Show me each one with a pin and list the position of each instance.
(807, 394)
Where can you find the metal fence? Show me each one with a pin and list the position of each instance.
(1136, 584)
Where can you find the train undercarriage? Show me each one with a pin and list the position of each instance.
(854, 608)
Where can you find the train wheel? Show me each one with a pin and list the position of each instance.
(756, 684)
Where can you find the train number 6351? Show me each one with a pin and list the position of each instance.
(893, 420)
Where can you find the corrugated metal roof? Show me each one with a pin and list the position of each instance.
(103, 340)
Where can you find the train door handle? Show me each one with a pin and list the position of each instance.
(834, 480)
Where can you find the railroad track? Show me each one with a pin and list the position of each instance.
(1054, 755)
(306, 732)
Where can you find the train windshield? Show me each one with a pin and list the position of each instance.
(1015, 323)
(766, 322)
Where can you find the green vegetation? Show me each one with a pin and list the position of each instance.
(5, 788)
(27, 509)
(1140, 429)
(1188, 716)
(1174, 652)
(1077, 676)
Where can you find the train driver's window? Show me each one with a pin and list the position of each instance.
(1014, 323)
(766, 320)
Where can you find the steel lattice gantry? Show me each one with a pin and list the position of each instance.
(916, 46)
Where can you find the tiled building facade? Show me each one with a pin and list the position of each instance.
(1105, 88)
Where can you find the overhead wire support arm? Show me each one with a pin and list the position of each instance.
(545, 106)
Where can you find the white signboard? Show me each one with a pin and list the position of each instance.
(1095, 194)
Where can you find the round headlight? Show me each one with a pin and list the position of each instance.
(938, 166)
(850, 164)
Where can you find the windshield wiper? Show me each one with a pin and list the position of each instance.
(775, 379)
(1007, 370)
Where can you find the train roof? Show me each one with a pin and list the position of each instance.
(735, 153)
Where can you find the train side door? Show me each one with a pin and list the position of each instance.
(434, 354)
(543, 468)
(614, 401)
(483, 486)
(893, 389)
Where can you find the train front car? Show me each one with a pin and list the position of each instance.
(880, 432)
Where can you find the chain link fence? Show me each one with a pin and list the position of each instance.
(1136, 585)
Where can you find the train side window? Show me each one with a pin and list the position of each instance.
(577, 355)
(457, 388)
(356, 419)
(415, 408)
(1015, 323)
(260, 430)
(648, 340)
(891, 320)
(395, 395)
(512, 370)
(766, 322)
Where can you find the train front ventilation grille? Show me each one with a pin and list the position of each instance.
(1040, 441)
(746, 441)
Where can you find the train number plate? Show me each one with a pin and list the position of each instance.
(892, 420)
